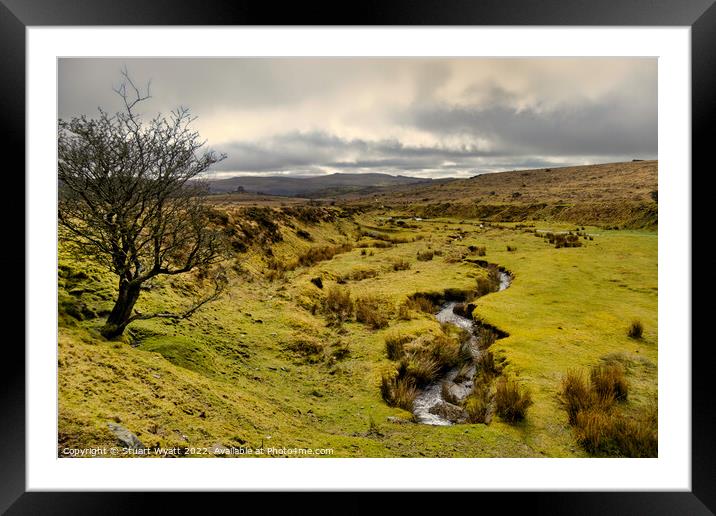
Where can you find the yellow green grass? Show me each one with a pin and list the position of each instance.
(263, 366)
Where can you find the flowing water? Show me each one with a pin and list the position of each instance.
(431, 397)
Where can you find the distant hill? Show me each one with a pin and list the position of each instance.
(610, 195)
(313, 186)
(627, 181)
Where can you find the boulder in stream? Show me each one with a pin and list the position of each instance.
(448, 411)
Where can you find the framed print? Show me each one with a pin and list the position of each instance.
(437, 249)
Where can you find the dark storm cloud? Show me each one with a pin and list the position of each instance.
(425, 117)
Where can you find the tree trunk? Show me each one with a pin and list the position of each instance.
(122, 311)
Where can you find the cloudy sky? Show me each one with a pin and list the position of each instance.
(420, 117)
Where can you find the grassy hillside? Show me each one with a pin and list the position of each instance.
(612, 194)
(265, 366)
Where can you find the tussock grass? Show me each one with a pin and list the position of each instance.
(477, 404)
(511, 400)
(395, 345)
(358, 275)
(604, 433)
(425, 256)
(463, 372)
(338, 303)
(420, 304)
(479, 250)
(608, 382)
(636, 329)
(601, 427)
(321, 253)
(398, 391)
(421, 367)
(576, 394)
(485, 362)
(400, 265)
(369, 311)
(485, 337)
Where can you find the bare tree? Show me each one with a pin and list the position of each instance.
(129, 198)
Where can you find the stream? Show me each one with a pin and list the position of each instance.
(427, 402)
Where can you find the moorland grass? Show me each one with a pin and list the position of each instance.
(565, 309)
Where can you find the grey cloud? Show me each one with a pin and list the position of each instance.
(613, 125)
(318, 115)
(290, 150)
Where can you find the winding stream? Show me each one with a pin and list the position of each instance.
(430, 398)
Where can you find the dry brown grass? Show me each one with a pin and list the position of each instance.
(338, 303)
(370, 311)
(608, 382)
(395, 345)
(425, 256)
(398, 391)
(511, 400)
(477, 404)
(420, 304)
(601, 426)
(635, 330)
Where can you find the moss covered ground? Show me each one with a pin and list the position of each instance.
(264, 366)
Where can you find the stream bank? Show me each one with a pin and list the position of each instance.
(430, 406)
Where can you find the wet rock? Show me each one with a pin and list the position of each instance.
(124, 436)
(458, 392)
(448, 411)
(464, 309)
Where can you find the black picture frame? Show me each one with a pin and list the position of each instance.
(17, 15)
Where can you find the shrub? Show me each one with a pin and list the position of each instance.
(511, 401)
(368, 311)
(636, 329)
(609, 383)
(338, 302)
(425, 256)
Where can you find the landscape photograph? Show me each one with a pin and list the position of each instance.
(358, 257)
